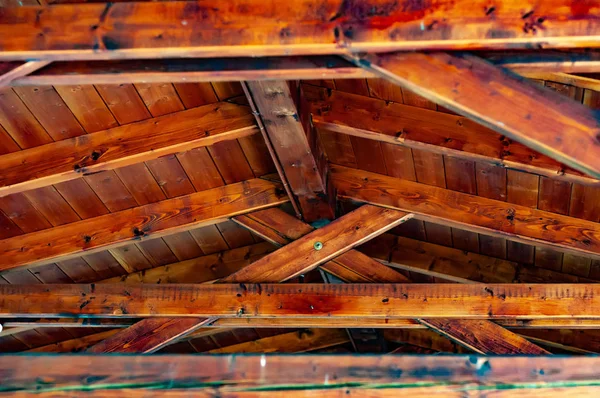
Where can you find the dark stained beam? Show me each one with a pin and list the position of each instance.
(152, 220)
(296, 27)
(124, 145)
(476, 301)
(533, 115)
(288, 139)
(428, 130)
(478, 214)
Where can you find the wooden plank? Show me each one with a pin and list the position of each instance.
(148, 336)
(487, 216)
(476, 301)
(121, 146)
(6, 78)
(565, 131)
(284, 129)
(301, 341)
(152, 220)
(424, 129)
(483, 337)
(292, 28)
(335, 238)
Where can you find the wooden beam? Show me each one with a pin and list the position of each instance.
(483, 337)
(152, 220)
(305, 340)
(533, 115)
(477, 301)
(478, 214)
(454, 265)
(77, 344)
(24, 69)
(149, 335)
(546, 61)
(424, 129)
(121, 30)
(177, 375)
(194, 70)
(288, 138)
(122, 146)
(320, 246)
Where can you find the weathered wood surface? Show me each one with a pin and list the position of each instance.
(564, 130)
(122, 146)
(244, 27)
(428, 130)
(148, 336)
(483, 337)
(58, 374)
(286, 133)
(477, 301)
(487, 216)
(335, 238)
(155, 219)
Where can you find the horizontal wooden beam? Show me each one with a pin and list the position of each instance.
(6, 78)
(428, 130)
(474, 213)
(143, 31)
(477, 301)
(552, 124)
(395, 374)
(152, 220)
(124, 145)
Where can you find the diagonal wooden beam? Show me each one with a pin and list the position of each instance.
(124, 145)
(478, 214)
(122, 30)
(152, 220)
(535, 116)
(20, 71)
(376, 301)
(288, 139)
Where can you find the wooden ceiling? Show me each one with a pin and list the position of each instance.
(265, 177)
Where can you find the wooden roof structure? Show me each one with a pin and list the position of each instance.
(333, 177)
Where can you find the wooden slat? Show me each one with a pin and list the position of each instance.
(122, 146)
(286, 133)
(565, 131)
(477, 301)
(155, 220)
(148, 336)
(423, 129)
(336, 238)
(291, 28)
(6, 78)
(487, 216)
(483, 337)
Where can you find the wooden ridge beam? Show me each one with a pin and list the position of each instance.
(124, 145)
(152, 220)
(429, 130)
(474, 213)
(286, 134)
(565, 130)
(377, 301)
(296, 27)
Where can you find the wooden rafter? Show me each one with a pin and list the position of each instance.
(288, 139)
(21, 70)
(247, 27)
(152, 220)
(122, 146)
(535, 116)
(377, 301)
(478, 214)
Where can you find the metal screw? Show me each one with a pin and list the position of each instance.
(318, 246)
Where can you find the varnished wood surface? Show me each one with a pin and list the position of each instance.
(564, 130)
(122, 146)
(123, 30)
(469, 212)
(168, 216)
(478, 301)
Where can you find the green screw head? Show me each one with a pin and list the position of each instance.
(318, 246)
